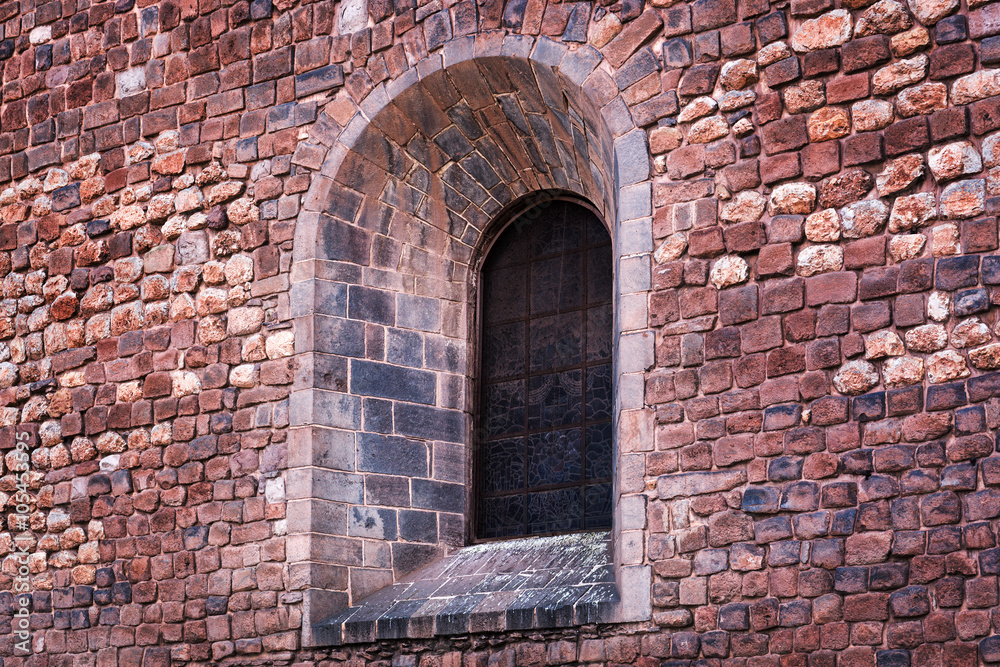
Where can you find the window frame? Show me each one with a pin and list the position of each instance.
(500, 223)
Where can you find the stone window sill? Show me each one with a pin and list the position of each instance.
(522, 584)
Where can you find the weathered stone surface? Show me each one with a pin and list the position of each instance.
(863, 218)
(976, 86)
(746, 206)
(902, 371)
(823, 226)
(912, 211)
(926, 338)
(603, 31)
(986, 357)
(945, 366)
(828, 123)
(906, 246)
(970, 333)
(708, 130)
(922, 99)
(806, 96)
(954, 161)
(792, 198)
(737, 99)
(906, 43)
(738, 74)
(772, 53)
(855, 377)
(930, 12)
(898, 75)
(698, 483)
(899, 174)
(664, 139)
(820, 259)
(729, 270)
(128, 217)
(826, 31)
(847, 188)
(964, 199)
(242, 211)
(945, 240)
(870, 115)
(883, 344)
(697, 108)
(671, 249)
(939, 306)
(885, 17)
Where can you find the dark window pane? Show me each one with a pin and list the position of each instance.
(501, 516)
(503, 350)
(599, 392)
(554, 400)
(598, 510)
(546, 373)
(599, 333)
(556, 341)
(503, 408)
(599, 287)
(555, 511)
(504, 465)
(599, 449)
(555, 457)
(504, 291)
(555, 283)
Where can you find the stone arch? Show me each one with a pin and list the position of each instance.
(382, 297)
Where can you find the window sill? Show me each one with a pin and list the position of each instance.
(523, 584)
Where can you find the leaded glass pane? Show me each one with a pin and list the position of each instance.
(545, 439)
(554, 400)
(504, 469)
(503, 350)
(503, 408)
(555, 457)
(556, 341)
(555, 511)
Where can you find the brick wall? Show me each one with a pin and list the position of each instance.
(222, 250)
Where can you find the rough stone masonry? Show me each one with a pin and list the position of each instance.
(238, 254)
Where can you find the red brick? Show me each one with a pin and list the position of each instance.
(863, 148)
(784, 135)
(780, 167)
(907, 136)
(847, 88)
(819, 160)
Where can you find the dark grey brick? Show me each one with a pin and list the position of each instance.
(372, 378)
(389, 490)
(453, 143)
(391, 455)
(416, 526)
(677, 53)
(371, 305)
(438, 495)
(377, 415)
(372, 522)
(421, 421)
(405, 348)
(407, 556)
(338, 336)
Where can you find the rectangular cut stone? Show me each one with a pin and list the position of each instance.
(698, 483)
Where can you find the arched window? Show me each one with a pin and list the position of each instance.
(544, 432)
